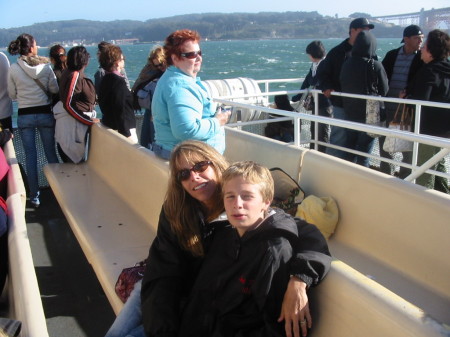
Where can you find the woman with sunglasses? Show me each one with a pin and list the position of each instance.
(188, 219)
(181, 106)
(58, 58)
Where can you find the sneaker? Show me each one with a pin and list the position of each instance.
(35, 201)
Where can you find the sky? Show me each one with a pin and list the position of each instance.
(15, 13)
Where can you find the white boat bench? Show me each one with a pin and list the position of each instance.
(391, 244)
(112, 203)
(391, 274)
(390, 238)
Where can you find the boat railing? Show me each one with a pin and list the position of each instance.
(237, 102)
(24, 300)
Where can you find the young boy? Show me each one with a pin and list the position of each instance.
(241, 285)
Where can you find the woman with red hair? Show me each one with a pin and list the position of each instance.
(182, 108)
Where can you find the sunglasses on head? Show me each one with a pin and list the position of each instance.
(192, 55)
(199, 167)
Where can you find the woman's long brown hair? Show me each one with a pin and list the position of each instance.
(182, 210)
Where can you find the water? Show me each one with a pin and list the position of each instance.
(257, 59)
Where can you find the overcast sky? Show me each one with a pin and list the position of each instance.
(15, 13)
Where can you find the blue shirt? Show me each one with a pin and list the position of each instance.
(182, 109)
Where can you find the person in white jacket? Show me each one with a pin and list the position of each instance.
(32, 82)
(5, 101)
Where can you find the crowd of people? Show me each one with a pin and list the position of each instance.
(206, 274)
(416, 70)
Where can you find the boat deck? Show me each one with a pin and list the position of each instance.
(71, 294)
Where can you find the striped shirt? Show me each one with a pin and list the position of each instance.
(400, 73)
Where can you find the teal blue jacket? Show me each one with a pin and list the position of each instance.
(182, 109)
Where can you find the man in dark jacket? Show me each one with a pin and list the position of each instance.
(328, 77)
(401, 65)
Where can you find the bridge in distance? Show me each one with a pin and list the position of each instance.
(426, 19)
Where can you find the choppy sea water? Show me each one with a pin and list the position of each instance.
(256, 59)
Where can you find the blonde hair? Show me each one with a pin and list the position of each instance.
(182, 210)
(157, 54)
(252, 173)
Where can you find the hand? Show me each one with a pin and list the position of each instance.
(402, 94)
(295, 309)
(327, 93)
(95, 120)
(223, 117)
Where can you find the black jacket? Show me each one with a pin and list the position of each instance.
(362, 74)
(171, 271)
(116, 103)
(329, 70)
(432, 83)
(309, 81)
(241, 285)
(389, 63)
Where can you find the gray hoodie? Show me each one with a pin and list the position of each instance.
(21, 84)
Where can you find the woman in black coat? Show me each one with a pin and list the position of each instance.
(114, 97)
(432, 83)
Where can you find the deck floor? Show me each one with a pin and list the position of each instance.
(74, 302)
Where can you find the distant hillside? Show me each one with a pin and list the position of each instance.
(214, 26)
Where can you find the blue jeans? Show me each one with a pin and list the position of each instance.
(129, 321)
(359, 141)
(147, 130)
(338, 135)
(160, 152)
(27, 125)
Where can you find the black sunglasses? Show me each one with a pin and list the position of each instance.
(199, 167)
(192, 55)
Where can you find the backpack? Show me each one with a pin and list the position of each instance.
(145, 95)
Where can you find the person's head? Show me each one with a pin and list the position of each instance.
(77, 58)
(194, 184)
(365, 45)
(157, 59)
(25, 44)
(183, 51)
(358, 25)
(111, 58)
(101, 47)
(282, 103)
(315, 50)
(412, 38)
(58, 57)
(436, 47)
(247, 190)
